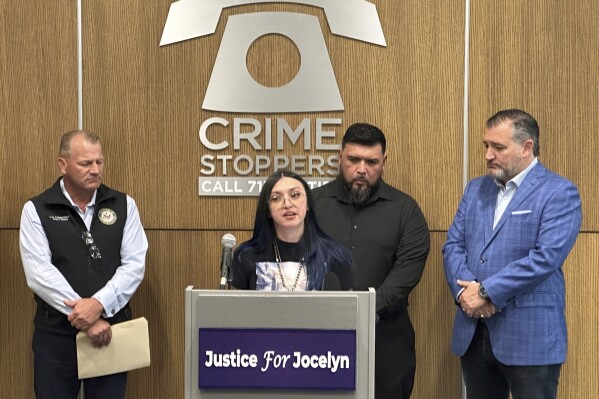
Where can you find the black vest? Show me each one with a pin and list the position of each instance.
(70, 253)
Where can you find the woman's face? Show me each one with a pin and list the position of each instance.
(287, 205)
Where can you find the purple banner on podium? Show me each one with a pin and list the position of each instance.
(294, 359)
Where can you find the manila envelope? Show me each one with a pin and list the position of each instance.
(129, 349)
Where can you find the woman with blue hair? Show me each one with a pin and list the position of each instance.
(288, 250)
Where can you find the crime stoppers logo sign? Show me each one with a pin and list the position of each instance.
(232, 89)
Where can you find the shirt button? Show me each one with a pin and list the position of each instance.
(482, 260)
(353, 247)
(355, 227)
(112, 311)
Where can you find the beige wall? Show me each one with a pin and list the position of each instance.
(145, 101)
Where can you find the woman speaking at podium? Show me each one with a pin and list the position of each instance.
(288, 250)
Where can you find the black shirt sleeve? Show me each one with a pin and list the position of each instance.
(345, 275)
(410, 259)
(243, 268)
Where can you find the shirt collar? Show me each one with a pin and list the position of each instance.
(92, 202)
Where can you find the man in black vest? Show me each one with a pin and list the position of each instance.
(83, 250)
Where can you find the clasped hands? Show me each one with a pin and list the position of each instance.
(472, 303)
(86, 317)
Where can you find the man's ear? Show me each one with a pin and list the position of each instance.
(527, 147)
(62, 165)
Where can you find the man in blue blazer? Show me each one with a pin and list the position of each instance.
(503, 263)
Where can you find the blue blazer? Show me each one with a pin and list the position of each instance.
(519, 263)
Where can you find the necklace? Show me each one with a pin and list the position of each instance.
(283, 277)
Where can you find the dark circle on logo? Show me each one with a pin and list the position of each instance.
(273, 60)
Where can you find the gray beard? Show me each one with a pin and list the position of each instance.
(359, 197)
(506, 174)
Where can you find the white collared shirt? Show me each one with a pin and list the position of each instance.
(52, 287)
(86, 215)
(506, 193)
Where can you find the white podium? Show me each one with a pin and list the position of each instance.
(260, 345)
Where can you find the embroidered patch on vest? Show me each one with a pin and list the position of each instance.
(107, 216)
(59, 218)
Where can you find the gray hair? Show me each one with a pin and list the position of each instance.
(524, 126)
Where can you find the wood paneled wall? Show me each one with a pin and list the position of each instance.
(543, 57)
(145, 102)
(38, 97)
(38, 102)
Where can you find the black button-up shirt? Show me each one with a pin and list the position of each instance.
(388, 237)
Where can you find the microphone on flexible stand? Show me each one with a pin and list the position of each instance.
(228, 242)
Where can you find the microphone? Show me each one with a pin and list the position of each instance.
(228, 242)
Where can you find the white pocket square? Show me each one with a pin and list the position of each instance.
(521, 212)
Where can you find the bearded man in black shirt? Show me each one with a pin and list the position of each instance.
(389, 239)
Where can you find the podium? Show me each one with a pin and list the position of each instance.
(262, 344)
